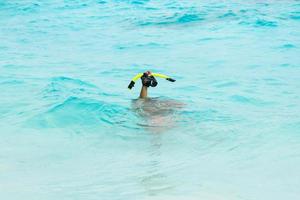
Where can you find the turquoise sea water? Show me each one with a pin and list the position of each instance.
(227, 129)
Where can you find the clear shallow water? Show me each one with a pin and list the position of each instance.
(227, 129)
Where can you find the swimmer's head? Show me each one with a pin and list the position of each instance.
(148, 80)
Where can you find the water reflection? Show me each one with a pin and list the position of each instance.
(155, 181)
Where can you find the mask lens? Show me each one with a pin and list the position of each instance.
(147, 82)
(153, 82)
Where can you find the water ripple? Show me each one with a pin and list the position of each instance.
(175, 19)
(80, 112)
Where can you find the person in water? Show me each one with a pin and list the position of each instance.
(158, 113)
(147, 80)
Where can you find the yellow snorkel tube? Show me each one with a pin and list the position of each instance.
(139, 75)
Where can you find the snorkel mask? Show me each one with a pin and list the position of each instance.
(148, 79)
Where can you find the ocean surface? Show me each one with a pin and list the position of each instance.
(227, 129)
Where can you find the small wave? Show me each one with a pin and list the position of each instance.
(176, 19)
(265, 23)
(150, 45)
(186, 18)
(229, 14)
(66, 86)
(101, 2)
(206, 39)
(255, 11)
(287, 46)
(72, 81)
(260, 23)
(249, 100)
(80, 112)
(273, 82)
(285, 65)
(138, 2)
(72, 5)
(226, 84)
(20, 8)
(12, 82)
(205, 115)
(295, 15)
